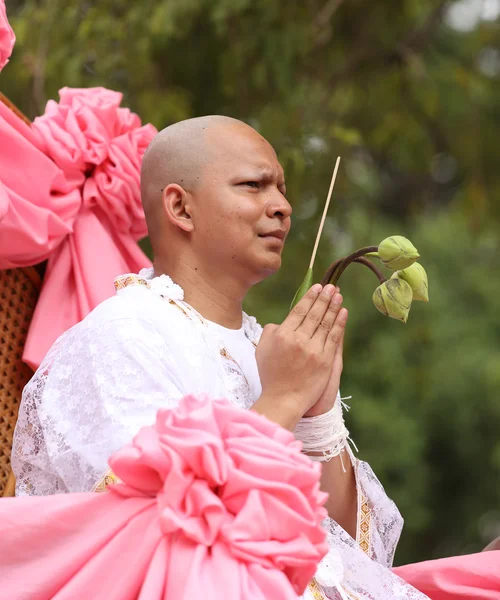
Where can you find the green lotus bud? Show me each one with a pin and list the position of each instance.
(397, 252)
(416, 277)
(393, 298)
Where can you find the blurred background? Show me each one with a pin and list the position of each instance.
(408, 94)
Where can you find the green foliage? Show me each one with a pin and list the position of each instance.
(411, 105)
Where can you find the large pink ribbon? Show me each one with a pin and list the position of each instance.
(456, 578)
(70, 192)
(215, 502)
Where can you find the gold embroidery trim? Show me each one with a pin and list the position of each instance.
(364, 532)
(225, 354)
(316, 591)
(187, 311)
(318, 594)
(107, 479)
(125, 280)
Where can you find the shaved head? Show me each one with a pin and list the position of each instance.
(180, 154)
(212, 190)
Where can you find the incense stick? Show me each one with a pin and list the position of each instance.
(327, 204)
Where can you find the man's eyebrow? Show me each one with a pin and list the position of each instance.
(264, 173)
(262, 170)
(270, 173)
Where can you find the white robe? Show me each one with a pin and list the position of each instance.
(143, 350)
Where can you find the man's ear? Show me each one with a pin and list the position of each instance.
(177, 206)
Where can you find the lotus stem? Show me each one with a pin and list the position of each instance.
(330, 271)
(364, 261)
(335, 270)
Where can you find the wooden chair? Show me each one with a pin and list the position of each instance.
(19, 291)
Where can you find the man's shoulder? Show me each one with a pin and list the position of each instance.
(134, 305)
(131, 319)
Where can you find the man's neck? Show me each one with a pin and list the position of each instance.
(217, 297)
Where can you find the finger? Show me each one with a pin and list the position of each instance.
(340, 346)
(300, 310)
(326, 324)
(317, 312)
(338, 360)
(338, 363)
(335, 336)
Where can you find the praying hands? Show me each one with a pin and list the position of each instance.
(300, 361)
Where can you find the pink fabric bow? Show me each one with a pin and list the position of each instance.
(456, 578)
(216, 502)
(7, 37)
(71, 193)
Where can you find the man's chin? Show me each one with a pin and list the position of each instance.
(268, 267)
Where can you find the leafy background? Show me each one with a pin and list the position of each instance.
(407, 94)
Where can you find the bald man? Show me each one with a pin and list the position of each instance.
(215, 202)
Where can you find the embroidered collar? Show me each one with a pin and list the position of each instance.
(164, 287)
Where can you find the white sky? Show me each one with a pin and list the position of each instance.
(465, 15)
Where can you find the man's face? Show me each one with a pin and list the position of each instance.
(241, 216)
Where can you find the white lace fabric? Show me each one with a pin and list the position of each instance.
(143, 350)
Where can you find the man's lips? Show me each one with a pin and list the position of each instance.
(277, 234)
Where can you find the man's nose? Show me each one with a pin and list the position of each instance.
(279, 207)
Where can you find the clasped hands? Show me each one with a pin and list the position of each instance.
(300, 361)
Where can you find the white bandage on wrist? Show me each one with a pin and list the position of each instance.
(325, 434)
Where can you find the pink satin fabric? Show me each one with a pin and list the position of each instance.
(38, 205)
(7, 37)
(70, 192)
(471, 577)
(216, 502)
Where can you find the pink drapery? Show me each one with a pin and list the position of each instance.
(215, 502)
(7, 37)
(70, 193)
(457, 578)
